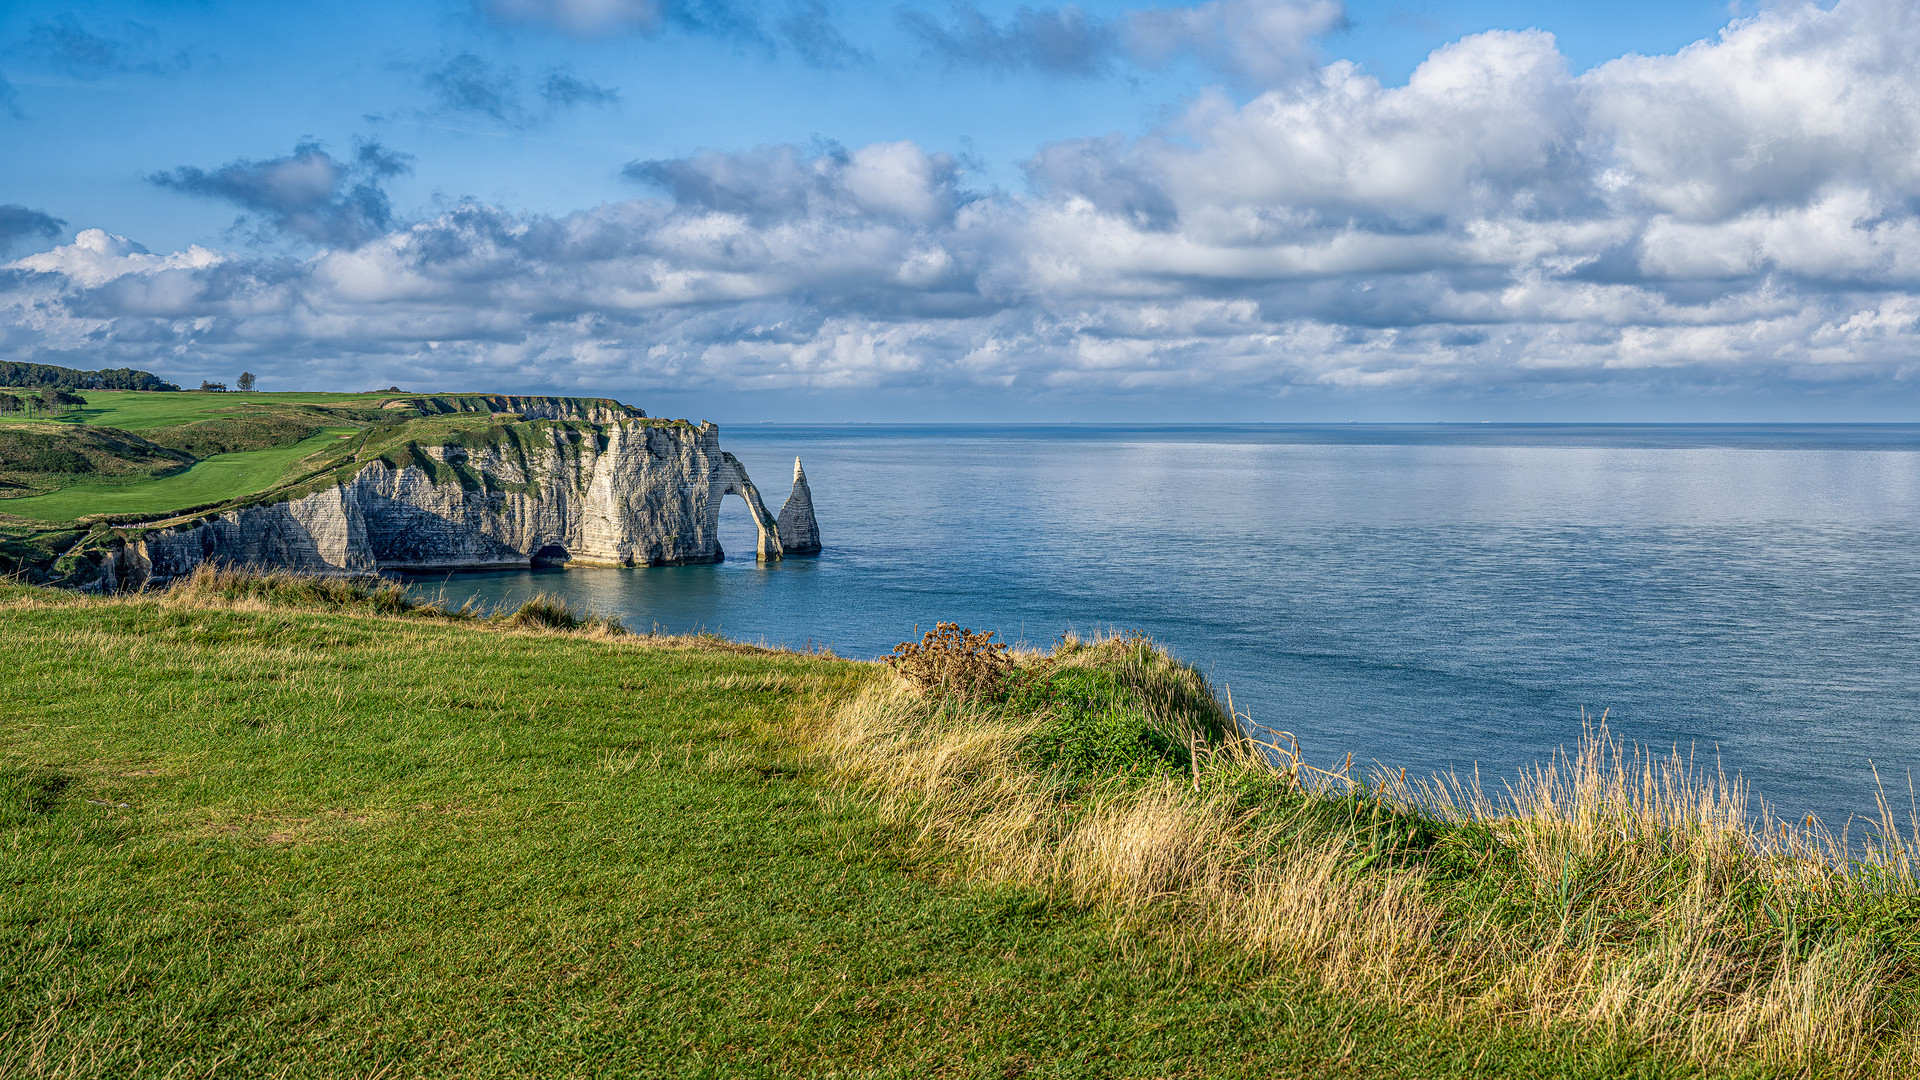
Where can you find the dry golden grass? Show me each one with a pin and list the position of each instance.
(1613, 892)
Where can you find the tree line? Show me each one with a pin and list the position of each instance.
(34, 376)
(50, 401)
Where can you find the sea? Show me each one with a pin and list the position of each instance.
(1448, 597)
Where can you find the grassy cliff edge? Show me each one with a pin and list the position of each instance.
(262, 823)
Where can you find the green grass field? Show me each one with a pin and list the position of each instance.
(141, 410)
(284, 843)
(226, 476)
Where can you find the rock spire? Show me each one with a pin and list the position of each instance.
(799, 532)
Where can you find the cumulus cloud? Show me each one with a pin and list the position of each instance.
(1256, 43)
(308, 194)
(19, 223)
(1745, 211)
(97, 257)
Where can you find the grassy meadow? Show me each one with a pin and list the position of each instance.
(210, 480)
(265, 826)
(132, 454)
(145, 410)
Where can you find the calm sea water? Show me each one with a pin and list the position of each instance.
(1435, 597)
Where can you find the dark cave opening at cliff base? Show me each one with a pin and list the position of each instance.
(551, 555)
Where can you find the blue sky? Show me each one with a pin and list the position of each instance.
(801, 209)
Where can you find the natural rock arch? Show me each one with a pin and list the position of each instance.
(733, 481)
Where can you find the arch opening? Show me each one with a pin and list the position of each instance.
(734, 482)
(551, 555)
(743, 525)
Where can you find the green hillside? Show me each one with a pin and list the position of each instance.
(39, 457)
(213, 480)
(134, 410)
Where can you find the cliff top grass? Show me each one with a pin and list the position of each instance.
(351, 838)
(272, 825)
(143, 410)
(217, 478)
(33, 454)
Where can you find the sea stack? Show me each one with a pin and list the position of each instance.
(799, 532)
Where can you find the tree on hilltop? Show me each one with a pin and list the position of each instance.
(245, 382)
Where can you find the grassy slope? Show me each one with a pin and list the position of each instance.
(226, 476)
(137, 410)
(269, 432)
(42, 457)
(352, 845)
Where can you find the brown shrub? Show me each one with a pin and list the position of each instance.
(951, 660)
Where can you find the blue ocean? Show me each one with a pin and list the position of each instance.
(1438, 597)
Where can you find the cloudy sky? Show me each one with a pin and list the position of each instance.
(947, 209)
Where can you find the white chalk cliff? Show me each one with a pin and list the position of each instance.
(631, 492)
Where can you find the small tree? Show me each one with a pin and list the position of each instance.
(10, 404)
(209, 385)
(245, 381)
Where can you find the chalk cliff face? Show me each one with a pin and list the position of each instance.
(628, 493)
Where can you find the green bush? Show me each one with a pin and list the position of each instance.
(549, 612)
(1097, 727)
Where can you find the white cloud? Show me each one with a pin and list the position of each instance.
(96, 257)
(1782, 105)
